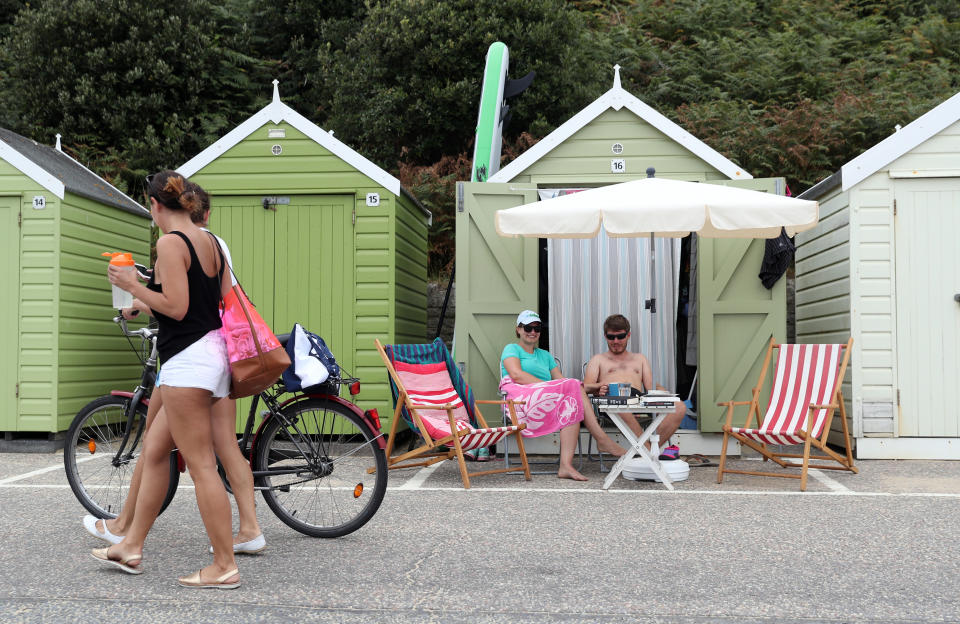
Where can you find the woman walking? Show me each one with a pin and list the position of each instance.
(183, 294)
(249, 538)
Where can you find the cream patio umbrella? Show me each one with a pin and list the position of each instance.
(659, 207)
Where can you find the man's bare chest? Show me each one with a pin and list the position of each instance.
(609, 368)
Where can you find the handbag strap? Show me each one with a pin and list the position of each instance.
(223, 262)
(240, 300)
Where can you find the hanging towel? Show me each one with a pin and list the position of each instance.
(777, 256)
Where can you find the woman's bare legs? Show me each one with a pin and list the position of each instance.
(568, 443)
(121, 524)
(191, 425)
(154, 464)
(604, 442)
(236, 466)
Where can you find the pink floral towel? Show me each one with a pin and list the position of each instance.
(550, 405)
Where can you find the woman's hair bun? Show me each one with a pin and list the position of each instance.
(175, 185)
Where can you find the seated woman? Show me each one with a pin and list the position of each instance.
(552, 402)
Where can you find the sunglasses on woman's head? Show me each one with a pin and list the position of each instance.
(149, 181)
(619, 336)
(532, 327)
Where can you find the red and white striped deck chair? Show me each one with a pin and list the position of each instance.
(432, 397)
(803, 399)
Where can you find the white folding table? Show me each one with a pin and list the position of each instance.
(637, 444)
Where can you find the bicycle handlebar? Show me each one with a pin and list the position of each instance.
(147, 333)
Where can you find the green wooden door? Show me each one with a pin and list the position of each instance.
(314, 279)
(9, 319)
(737, 316)
(295, 262)
(496, 278)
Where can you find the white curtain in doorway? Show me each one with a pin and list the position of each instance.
(590, 279)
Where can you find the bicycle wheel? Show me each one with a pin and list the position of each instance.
(99, 477)
(320, 468)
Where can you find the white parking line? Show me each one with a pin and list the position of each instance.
(415, 483)
(664, 492)
(835, 486)
(41, 471)
(34, 473)
(659, 492)
(417, 480)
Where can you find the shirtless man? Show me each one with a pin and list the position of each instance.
(617, 365)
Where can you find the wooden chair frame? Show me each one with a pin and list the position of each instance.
(430, 452)
(845, 460)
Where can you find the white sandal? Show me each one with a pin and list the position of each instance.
(254, 546)
(90, 524)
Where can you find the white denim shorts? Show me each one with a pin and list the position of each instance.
(203, 364)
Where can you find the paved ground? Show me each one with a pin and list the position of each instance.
(881, 546)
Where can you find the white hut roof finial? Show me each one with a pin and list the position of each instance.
(616, 76)
(58, 143)
(276, 90)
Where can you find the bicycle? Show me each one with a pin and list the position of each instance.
(318, 460)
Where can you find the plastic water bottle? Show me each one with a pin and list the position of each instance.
(121, 298)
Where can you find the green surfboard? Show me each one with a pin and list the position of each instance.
(489, 135)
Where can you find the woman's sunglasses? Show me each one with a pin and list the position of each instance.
(532, 327)
(149, 180)
(619, 336)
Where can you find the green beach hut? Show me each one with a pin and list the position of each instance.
(320, 236)
(615, 139)
(59, 348)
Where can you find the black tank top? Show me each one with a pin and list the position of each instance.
(203, 312)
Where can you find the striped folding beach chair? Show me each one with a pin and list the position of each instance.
(432, 397)
(804, 396)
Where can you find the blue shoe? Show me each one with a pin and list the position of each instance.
(483, 454)
(471, 454)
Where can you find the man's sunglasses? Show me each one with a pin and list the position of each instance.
(619, 336)
(532, 327)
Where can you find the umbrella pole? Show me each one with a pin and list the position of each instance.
(651, 303)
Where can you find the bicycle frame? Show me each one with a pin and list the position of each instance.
(275, 407)
(141, 394)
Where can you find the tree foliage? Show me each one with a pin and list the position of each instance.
(291, 35)
(794, 88)
(790, 88)
(133, 85)
(406, 85)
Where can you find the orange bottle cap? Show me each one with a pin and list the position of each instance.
(118, 258)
